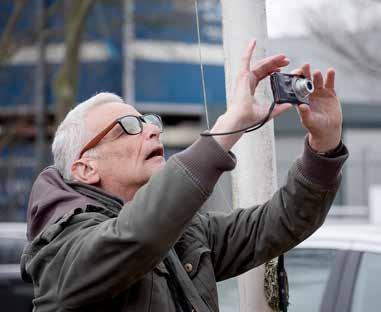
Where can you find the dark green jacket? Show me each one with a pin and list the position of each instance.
(89, 251)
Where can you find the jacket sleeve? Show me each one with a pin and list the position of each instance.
(247, 238)
(104, 257)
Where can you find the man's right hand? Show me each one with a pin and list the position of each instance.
(323, 117)
(244, 110)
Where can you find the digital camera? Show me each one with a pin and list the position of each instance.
(288, 88)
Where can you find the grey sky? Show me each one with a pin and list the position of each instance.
(286, 17)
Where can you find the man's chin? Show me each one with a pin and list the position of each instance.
(156, 163)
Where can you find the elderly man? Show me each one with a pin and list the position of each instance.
(113, 227)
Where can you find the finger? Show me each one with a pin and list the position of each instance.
(318, 79)
(304, 113)
(246, 58)
(330, 79)
(306, 71)
(280, 109)
(297, 71)
(268, 65)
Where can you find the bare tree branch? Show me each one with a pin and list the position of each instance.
(65, 83)
(353, 43)
(6, 43)
(10, 44)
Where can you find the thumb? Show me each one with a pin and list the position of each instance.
(253, 81)
(243, 89)
(280, 109)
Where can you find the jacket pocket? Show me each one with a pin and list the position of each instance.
(192, 262)
(198, 265)
(161, 298)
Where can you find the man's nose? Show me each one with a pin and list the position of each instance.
(151, 130)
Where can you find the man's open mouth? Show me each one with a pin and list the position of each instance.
(159, 151)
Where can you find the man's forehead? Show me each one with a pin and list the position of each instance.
(101, 116)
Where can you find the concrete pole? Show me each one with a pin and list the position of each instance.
(254, 179)
(375, 204)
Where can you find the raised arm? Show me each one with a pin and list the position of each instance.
(250, 237)
(247, 238)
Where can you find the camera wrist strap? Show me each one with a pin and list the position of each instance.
(250, 128)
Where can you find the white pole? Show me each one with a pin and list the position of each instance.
(254, 179)
(375, 204)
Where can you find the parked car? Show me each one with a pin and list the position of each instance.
(337, 269)
(15, 294)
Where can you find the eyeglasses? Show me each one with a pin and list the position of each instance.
(130, 124)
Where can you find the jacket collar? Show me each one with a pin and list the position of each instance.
(51, 197)
(110, 204)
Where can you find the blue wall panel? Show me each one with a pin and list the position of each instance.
(17, 174)
(176, 21)
(17, 82)
(178, 83)
(98, 77)
(16, 85)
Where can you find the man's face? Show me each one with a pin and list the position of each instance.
(125, 161)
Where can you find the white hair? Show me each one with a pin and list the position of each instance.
(72, 134)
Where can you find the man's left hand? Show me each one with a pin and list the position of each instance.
(323, 116)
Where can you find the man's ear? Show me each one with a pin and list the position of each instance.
(85, 171)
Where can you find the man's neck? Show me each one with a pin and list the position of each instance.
(125, 193)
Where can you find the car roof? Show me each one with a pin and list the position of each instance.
(13, 229)
(360, 237)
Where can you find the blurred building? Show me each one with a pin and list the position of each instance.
(153, 60)
(100, 69)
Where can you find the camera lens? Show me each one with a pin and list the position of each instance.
(303, 87)
(310, 86)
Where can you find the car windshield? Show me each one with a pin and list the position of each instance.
(308, 272)
(367, 291)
